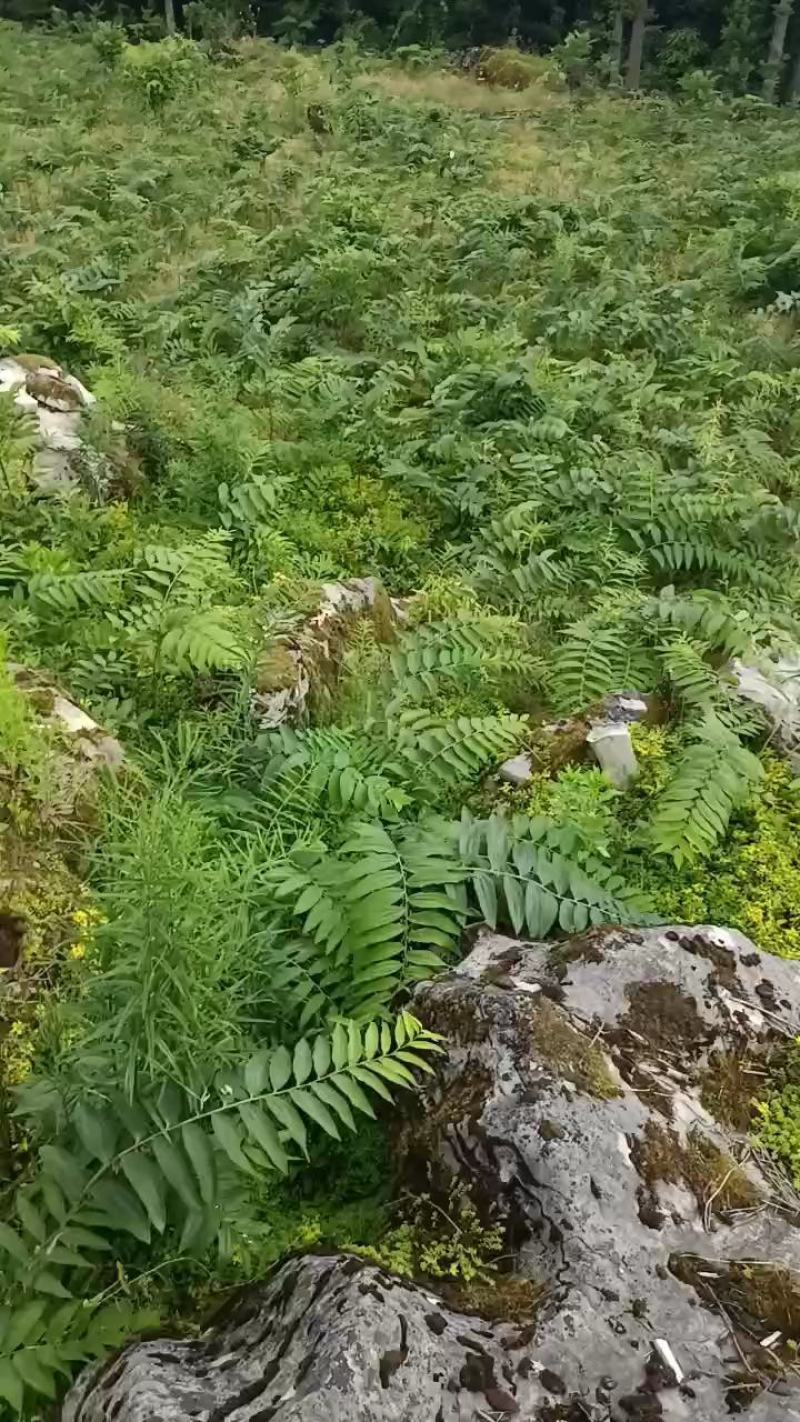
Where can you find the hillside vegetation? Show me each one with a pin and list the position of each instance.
(527, 358)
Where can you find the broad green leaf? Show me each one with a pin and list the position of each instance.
(322, 1056)
(175, 1169)
(372, 1041)
(256, 1073)
(486, 893)
(31, 1218)
(65, 1169)
(121, 1210)
(13, 1244)
(317, 1111)
(33, 1374)
(339, 1046)
(97, 1132)
(355, 1095)
(337, 1103)
(198, 1149)
(47, 1282)
(303, 1062)
(260, 1128)
(287, 1115)
(26, 1326)
(142, 1176)
(11, 1385)
(280, 1068)
(229, 1137)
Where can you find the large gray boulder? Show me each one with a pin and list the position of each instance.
(594, 1093)
(594, 1099)
(330, 1339)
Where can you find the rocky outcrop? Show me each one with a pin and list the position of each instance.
(594, 1092)
(297, 672)
(57, 402)
(81, 738)
(327, 1340)
(593, 1098)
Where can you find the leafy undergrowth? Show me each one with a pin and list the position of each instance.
(533, 364)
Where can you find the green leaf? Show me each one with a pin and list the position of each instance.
(229, 1137)
(372, 1040)
(322, 1056)
(317, 1111)
(26, 1325)
(338, 1104)
(11, 1384)
(121, 1210)
(13, 1244)
(351, 1089)
(287, 1115)
(339, 1046)
(47, 1282)
(196, 1145)
(280, 1068)
(175, 1169)
(303, 1062)
(258, 1125)
(65, 1169)
(487, 897)
(33, 1374)
(256, 1073)
(142, 1176)
(30, 1218)
(97, 1132)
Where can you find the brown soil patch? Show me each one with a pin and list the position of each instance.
(712, 1176)
(665, 1017)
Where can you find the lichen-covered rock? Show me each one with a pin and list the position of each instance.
(85, 742)
(774, 687)
(57, 401)
(299, 670)
(330, 1339)
(591, 1092)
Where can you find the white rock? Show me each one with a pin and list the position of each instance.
(71, 717)
(516, 771)
(59, 427)
(775, 687)
(12, 375)
(613, 750)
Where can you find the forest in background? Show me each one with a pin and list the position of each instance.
(745, 44)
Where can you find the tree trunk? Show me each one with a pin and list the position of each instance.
(615, 46)
(794, 85)
(774, 65)
(634, 73)
(169, 16)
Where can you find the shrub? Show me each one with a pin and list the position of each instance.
(512, 69)
(164, 70)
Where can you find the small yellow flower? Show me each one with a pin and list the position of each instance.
(78, 950)
(81, 918)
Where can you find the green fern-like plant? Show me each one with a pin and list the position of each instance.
(714, 774)
(592, 659)
(154, 1166)
(452, 751)
(517, 878)
(380, 912)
